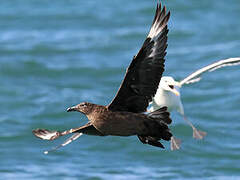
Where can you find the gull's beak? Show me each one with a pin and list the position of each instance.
(175, 92)
(74, 108)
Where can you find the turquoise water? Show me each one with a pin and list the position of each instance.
(54, 54)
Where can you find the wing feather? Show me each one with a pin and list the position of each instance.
(195, 76)
(145, 71)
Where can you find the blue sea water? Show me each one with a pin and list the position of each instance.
(55, 54)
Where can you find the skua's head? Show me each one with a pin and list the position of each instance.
(84, 107)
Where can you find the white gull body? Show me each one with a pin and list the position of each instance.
(168, 93)
(165, 96)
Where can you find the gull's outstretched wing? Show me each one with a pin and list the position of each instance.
(68, 141)
(145, 71)
(195, 77)
(52, 135)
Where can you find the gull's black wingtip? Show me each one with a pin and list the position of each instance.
(36, 132)
(45, 134)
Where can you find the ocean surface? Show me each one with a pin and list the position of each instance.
(55, 54)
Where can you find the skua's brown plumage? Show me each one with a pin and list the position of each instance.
(125, 115)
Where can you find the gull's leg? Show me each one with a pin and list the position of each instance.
(175, 143)
(196, 133)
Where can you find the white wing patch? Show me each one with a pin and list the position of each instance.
(153, 53)
(159, 23)
(155, 31)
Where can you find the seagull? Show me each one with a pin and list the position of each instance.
(126, 114)
(168, 93)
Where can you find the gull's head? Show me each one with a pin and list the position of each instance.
(85, 108)
(167, 83)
